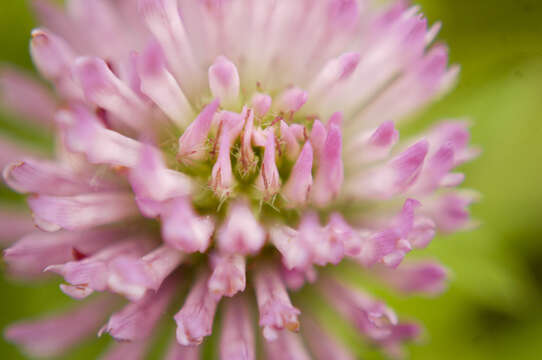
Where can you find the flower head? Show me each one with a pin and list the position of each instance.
(234, 147)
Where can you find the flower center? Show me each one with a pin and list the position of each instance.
(249, 154)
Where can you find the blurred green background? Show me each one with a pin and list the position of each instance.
(493, 309)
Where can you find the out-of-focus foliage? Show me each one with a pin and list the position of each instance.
(493, 309)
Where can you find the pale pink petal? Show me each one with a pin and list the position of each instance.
(287, 346)
(423, 231)
(84, 134)
(126, 350)
(407, 166)
(323, 247)
(342, 232)
(92, 273)
(299, 131)
(55, 334)
(104, 19)
(372, 318)
(392, 344)
(54, 59)
(450, 211)
(160, 85)
(224, 81)
(231, 123)
(192, 143)
(47, 178)
(427, 78)
(436, 169)
(132, 77)
(391, 244)
(81, 211)
(54, 18)
(289, 141)
(336, 119)
(229, 275)
(25, 97)
(132, 276)
(295, 254)
(259, 137)
(330, 174)
(451, 180)
(137, 320)
(433, 32)
(14, 223)
(455, 134)
(237, 338)
(222, 179)
(241, 233)
(261, 104)
(297, 188)
(104, 89)
(291, 100)
(163, 19)
(343, 13)
(374, 145)
(323, 345)
(177, 351)
(377, 246)
(404, 222)
(184, 230)
(276, 310)
(415, 277)
(10, 150)
(195, 319)
(395, 177)
(248, 161)
(30, 255)
(318, 138)
(296, 279)
(337, 69)
(151, 179)
(268, 181)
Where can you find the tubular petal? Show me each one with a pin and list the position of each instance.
(137, 320)
(195, 319)
(54, 335)
(237, 340)
(241, 233)
(276, 310)
(229, 275)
